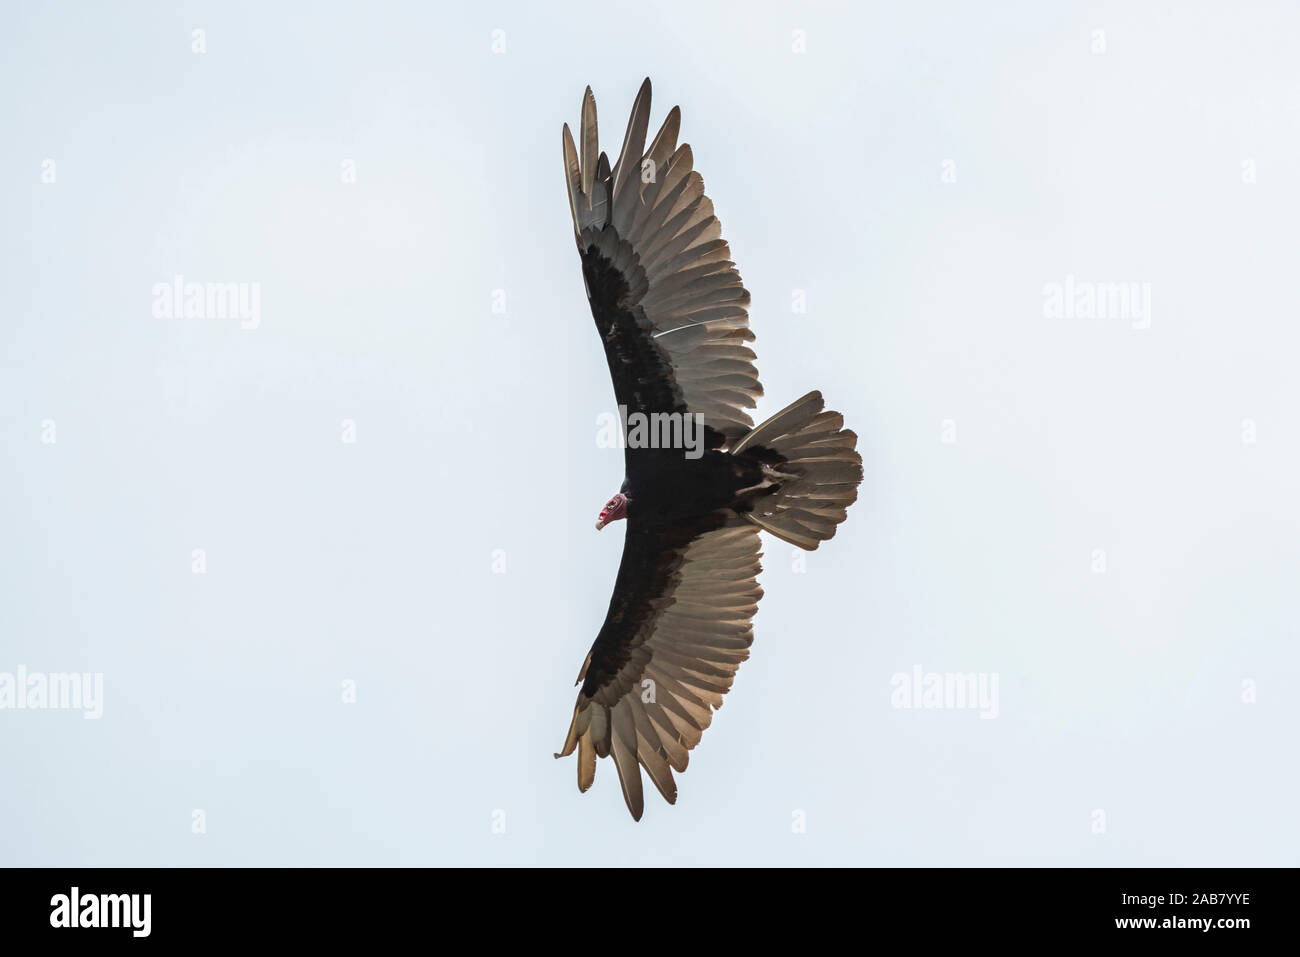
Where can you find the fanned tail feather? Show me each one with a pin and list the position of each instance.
(818, 478)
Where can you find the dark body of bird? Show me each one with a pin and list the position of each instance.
(671, 498)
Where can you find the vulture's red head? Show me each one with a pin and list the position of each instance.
(614, 509)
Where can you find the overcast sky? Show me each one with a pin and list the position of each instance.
(336, 563)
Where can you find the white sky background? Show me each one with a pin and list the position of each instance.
(476, 431)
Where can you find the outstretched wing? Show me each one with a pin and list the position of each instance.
(678, 627)
(667, 299)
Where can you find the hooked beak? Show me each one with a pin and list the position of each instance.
(615, 509)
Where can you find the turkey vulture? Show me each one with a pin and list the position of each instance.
(671, 313)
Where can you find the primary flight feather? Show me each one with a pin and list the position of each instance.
(672, 314)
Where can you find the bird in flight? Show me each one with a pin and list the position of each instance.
(672, 315)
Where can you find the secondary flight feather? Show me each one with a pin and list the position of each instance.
(672, 314)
